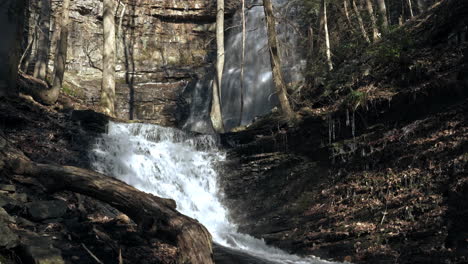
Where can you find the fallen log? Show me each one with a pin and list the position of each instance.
(154, 215)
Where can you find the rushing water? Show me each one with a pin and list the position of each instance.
(259, 93)
(174, 164)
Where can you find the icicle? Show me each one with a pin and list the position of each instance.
(347, 117)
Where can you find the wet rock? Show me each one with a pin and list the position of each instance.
(38, 250)
(46, 209)
(20, 197)
(8, 239)
(5, 217)
(7, 187)
(6, 200)
(91, 121)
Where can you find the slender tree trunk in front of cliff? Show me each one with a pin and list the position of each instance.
(346, 11)
(410, 8)
(383, 19)
(375, 31)
(242, 64)
(43, 44)
(276, 61)
(216, 115)
(360, 21)
(61, 51)
(327, 36)
(11, 21)
(108, 59)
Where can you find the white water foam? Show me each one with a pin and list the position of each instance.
(174, 164)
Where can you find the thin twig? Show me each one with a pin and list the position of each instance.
(91, 253)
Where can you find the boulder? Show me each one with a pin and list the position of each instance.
(42, 210)
(8, 239)
(38, 250)
(91, 121)
(7, 187)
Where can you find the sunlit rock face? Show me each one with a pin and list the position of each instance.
(161, 46)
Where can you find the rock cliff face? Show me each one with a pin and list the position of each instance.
(161, 46)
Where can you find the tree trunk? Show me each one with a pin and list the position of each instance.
(276, 62)
(383, 19)
(361, 23)
(410, 7)
(242, 64)
(61, 51)
(155, 216)
(375, 31)
(11, 23)
(108, 59)
(346, 11)
(43, 41)
(327, 36)
(320, 27)
(216, 115)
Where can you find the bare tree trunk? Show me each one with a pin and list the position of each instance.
(346, 11)
(11, 23)
(410, 7)
(43, 41)
(61, 51)
(216, 115)
(320, 23)
(375, 31)
(276, 62)
(327, 36)
(361, 23)
(242, 64)
(383, 20)
(108, 59)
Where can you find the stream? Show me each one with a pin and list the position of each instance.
(171, 163)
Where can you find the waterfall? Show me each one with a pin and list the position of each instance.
(259, 91)
(174, 164)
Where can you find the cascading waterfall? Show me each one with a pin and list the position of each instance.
(174, 164)
(259, 91)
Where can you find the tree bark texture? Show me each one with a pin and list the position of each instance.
(11, 28)
(216, 114)
(327, 36)
(276, 62)
(383, 19)
(375, 31)
(242, 64)
(43, 40)
(108, 59)
(61, 51)
(360, 21)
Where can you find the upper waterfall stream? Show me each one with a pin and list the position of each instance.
(174, 164)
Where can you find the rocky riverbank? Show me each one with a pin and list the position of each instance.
(55, 214)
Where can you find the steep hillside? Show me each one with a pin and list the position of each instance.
(375, 169)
